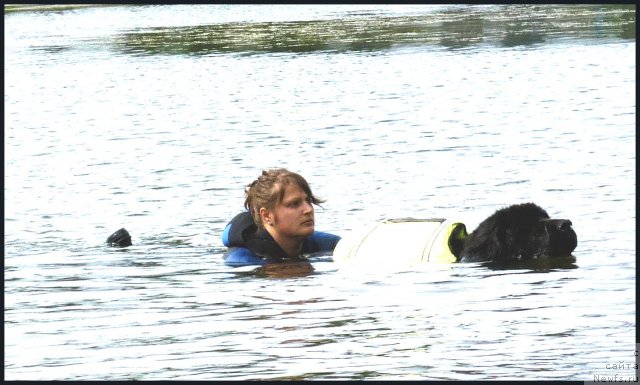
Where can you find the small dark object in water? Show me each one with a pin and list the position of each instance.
(120, 238)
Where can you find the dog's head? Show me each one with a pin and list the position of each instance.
(120, 238)
(542, 238)
(520, 232)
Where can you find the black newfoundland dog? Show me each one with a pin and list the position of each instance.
(522, 232)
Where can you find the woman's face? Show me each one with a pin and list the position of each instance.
(294, 216)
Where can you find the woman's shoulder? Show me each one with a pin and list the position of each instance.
(234, 231)
(322, 241)
(242, 256)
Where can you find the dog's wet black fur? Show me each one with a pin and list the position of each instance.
(519, 233)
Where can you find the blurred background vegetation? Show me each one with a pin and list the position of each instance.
(460, 26)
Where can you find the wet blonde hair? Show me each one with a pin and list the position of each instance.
(268, 190)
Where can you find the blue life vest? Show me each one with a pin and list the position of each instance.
(250, 246)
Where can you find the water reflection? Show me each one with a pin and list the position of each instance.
(460, 27)
(542, 265)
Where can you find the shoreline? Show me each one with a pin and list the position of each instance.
(10, 8)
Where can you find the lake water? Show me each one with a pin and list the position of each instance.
(154, 118)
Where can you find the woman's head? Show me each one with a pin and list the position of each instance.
(268, 191)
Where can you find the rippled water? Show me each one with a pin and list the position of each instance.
(454, 111)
